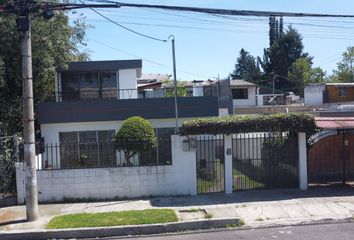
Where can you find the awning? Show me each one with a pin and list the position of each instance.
(335, 122)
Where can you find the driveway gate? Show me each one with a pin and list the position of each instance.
(210, 164)
(331, 158)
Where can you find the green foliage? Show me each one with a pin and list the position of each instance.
(301, 73)
(136, 135)
(132, 217)
(292, 122)
(54, 43)
(345, 68)
(246, 68)
(181, 88)
(285, 49)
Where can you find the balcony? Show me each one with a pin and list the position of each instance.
(114, 93)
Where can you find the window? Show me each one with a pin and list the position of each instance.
(89, 85)
(341, 92)
(240, 93)
(87, 149)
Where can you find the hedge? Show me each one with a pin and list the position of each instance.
(283, 122)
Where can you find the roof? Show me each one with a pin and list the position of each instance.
(154, 77)
(241, 83)
(351, 84)
(102, 65)
(335, 122)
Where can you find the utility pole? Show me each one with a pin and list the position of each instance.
(174, 81)
(24, 27)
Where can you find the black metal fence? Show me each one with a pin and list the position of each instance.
(100, 155)
(265, 160)
(210, 164)
(115, 93)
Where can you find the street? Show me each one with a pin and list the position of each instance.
(342, 231)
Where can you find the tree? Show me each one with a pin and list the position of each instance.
(54, 43)
(169, 86)
(135, 136)
(345, 68)
(246, 67)
(279, 57)
(301, 74)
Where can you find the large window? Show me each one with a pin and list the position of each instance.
(89, 85)
(341, 92)
(87, 149)
(240, 93)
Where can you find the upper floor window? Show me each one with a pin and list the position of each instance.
(341, 92)
(239, 93)
(88, 85)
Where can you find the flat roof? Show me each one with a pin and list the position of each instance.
(335, 122)
(102, 65)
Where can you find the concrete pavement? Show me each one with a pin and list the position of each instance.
(256, 208)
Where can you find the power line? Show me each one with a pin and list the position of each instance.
(147, 60)
(128, 29)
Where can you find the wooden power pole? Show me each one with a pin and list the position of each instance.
(24, 27)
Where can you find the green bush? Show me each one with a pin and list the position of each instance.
(291, 122)
(136, 135)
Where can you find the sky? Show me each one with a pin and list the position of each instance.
(207, 46)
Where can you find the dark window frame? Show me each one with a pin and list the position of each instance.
(239, 93)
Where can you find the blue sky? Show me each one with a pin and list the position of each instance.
(207, 46)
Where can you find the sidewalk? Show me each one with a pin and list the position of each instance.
(255, 208)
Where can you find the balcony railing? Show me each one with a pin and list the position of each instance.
(110, 94)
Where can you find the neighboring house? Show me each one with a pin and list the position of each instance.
(320, 93)
(243, 93)
(93, 99)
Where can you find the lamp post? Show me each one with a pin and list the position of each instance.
(174, 80)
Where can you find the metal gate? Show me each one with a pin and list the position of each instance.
(210, 164)
(264, 160)
(8, 157)
(331, 158)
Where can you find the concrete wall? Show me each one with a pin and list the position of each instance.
(128, 83)
(251, 101)
(313, 94)
(126, 182)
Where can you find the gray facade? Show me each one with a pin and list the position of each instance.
(114, 110)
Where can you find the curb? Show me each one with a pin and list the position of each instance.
(147, 229)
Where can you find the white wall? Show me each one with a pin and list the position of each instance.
(128, 83)
(313, 94)
(50, 133)
(251, 101)
(124, 182)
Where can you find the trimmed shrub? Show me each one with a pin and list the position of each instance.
(291, 122)
(136, 135)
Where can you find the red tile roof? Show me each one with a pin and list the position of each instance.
(335, 122)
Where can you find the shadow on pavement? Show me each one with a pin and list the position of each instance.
(252, 196)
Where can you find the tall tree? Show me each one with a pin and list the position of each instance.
(246, 67)
(279, 57)
(345, 68)
(54, 43)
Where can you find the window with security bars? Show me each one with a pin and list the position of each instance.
(87, 149)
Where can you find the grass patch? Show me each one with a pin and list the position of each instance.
(133, 217)
(208, 216)
(259, 219)
(241, 181)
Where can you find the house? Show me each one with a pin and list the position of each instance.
(93, 99)
(321, 93)
(243, 93)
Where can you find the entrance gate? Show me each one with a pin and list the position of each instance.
(331, 158)
(210, 164)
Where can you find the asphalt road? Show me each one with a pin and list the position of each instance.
(337, 231)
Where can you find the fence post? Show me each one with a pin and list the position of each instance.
(228, 163)
(302, 161)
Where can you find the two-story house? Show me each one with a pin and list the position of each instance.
(93, 99)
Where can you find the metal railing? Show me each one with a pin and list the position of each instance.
(100, 155)
(115, 93)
